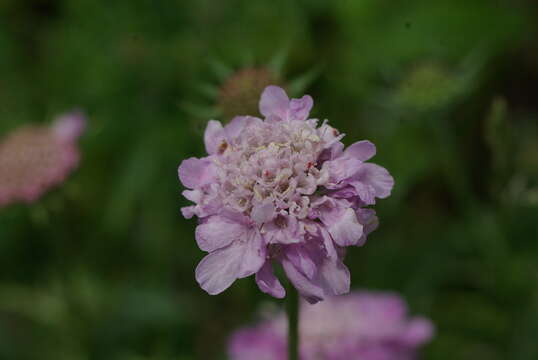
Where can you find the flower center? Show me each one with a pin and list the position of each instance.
(271, 162)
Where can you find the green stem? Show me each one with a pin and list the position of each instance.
(292, 306)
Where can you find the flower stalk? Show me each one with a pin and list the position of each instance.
(292, 307)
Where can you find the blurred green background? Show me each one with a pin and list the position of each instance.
(103, 267)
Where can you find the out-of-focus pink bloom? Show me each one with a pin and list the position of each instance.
(281, 189)
(35, 158)
(360, 326)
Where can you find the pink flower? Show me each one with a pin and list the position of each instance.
(281, 189)
(363, 325)
(34, 158)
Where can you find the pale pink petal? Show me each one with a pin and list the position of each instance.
(346, 231)
(236, 217)
(335, 150)
(238, 124)
(194, 172)
(254, 252)
(341, 169)
(218, 270)
(300, 108)
(284, 229)
(188, 211)
(328, 244)
(377, 177)
(274, 101)
(213, 136)
(268, 282)
(369, 221)
(301, 259)
(218, 232)
(344, 193)
(328, 209)
(340, 219)
(335, 276)
(192, 195)
(361, 150)
(311, 291)
(364, 191)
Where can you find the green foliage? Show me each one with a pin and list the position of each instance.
(103, 267)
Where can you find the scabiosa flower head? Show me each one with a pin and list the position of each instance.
(35, 158)
(281, 189)
(363, 325)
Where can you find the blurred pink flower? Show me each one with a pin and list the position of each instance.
(35, 158)
(362, 326)
(281, 189)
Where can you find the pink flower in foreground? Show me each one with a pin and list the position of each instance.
(35, 158)
(281, 189)
(362, 326)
